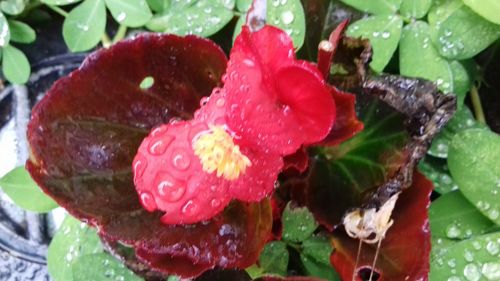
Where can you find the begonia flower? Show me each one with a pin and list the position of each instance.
(270, 105)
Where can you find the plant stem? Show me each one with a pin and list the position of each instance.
(58, 10)
(120, 34)
(106, 41)
(476, 104)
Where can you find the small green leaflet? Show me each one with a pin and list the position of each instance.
(383, 32)
(488, 9)
(415, 9)
(15, 65)
(437, 171)
(101, 267)
(298, 223)
(21, 32)
(19, 186)
(4, 31)
(319, 248)
(475, 259)
(287, 15)
(158, 6)
(473, 163)
(131, 13)
(203, 18)
(377, 7)
(274, 258)
(13, 7)
(84, 26)
(320, 270)
(72, 240)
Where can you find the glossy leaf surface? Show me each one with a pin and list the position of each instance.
(133, 13)
(377, 7)
(409, 231)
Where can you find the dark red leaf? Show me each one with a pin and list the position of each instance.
(404, 253)
(85, 132)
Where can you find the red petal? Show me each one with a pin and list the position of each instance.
(169, 177)
(298, 161)
(347, 123)
(410, 231)
(265, 83)
(258, 181)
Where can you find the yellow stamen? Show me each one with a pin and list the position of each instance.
(217, 152)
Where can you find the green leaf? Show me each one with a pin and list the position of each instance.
(159, 6)
(419, 58)
(13, 7)
(319, 248)
(19, 186)
(415, 9)
(288, 16)
(462, 120)
(461, 80)
(102, 267)
(4, 31)
(84, 26)
(437, 171)
(204, 18)
(383, 32)
(463, 33)
(72, 240)
(60, 2)
(21, 32)
(316, 269)
(15, 66)
(452, 217)
(474, 259)
(243, 5)
(298, 223)
(488, 9)
(132, 13)
(377, 7)
(474, 165)
(274, 258)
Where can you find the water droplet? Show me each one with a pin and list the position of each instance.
(493, 214)
(452, 263)
(148, 202)
(287, 17)
(180, 159)
(204, 101)
(140, 165)
(109, 273)
(169, 189)
(468, 255)
(215, 203)
(121, 17)
(190, 208)
(491, 270)
(454, 278)
(492, 248)
(220, 102)
(208, 10)
(386, 34)
(82, 26)
(471, 272)
(287, 110)
(376, 34)
(160, 146)
(476, 245)
(452, 231)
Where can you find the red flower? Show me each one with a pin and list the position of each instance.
(270, 105)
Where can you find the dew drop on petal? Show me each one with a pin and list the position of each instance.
(215, 203)
(159, 147)
(190, 208)
(180, 159)
(148, 202)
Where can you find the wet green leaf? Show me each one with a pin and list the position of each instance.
(15, 65)
(488, 9)
(243, 5)
(383, 32)
(419, 58)
(415, 9)
(474, 165)
(21, 32)
(102, 267)
(4, 31)
(84, 26)
(203, 18)
(274, 258)
(460, 33)
(19, 186)
(13, 7)
(60, 2)
(287, 15)
(318, 248)
(377, 7)
(298, 223)
(132, 13)
(437, 171)
(462, 120)
(158, 6)
(475, 259)
(316, 269)
(72, 240)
